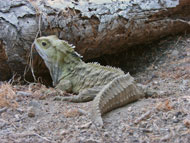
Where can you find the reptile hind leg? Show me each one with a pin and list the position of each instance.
(84, 96)
(148, 91)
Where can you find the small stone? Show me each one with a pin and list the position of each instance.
(175, 53)
(185, 82)
(22, 93)
(176, 121)
(187, 123)
(18, 99)
(165, 138)
(17, 116)
(178, 114)
(31, 112)
(106, 134)
(20, 110)
(129, 109)
(154, 76)
(38, 121)
(42, 97)
(155, 82)
(34, 104)
(161, 92)
(63, 132)
(82, 112)
(91, 140)
(85, 126)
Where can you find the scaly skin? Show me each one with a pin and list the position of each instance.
(119, 92)
(109, 86)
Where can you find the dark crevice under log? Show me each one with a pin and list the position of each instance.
(95, 29)
(4, 74)
(147, 57)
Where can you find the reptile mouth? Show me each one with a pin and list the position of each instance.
(40, 51)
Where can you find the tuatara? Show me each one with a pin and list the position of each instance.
(110, 86)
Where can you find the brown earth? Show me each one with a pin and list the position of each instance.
(27, 115)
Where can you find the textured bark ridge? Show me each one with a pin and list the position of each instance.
(95, 27)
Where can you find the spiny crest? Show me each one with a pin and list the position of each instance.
(109, 68)
(114, 85)
(71, 48)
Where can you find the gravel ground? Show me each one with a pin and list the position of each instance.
(35, 117)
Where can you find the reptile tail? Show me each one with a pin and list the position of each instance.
(121, 91)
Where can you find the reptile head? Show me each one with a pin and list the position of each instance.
(57, 55)
(51, 48)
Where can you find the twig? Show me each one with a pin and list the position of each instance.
(13, 125)
(30, 134)
(30, 58)
(11, 81)
(178, 40)
(142, 117)
(3, 110)
(4, 121)
(44, 138)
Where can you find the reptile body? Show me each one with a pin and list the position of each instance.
(110, 87)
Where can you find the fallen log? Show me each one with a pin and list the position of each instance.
(95, 27)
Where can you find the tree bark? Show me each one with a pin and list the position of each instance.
(94, 28)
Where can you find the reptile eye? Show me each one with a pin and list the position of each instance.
(44, 44)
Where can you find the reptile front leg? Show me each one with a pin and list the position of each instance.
(84, 96)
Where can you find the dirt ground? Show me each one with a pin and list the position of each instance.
(27, 115)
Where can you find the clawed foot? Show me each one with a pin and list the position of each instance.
(151, 93)
(61, 98)
(148, 91)
(75, 98)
